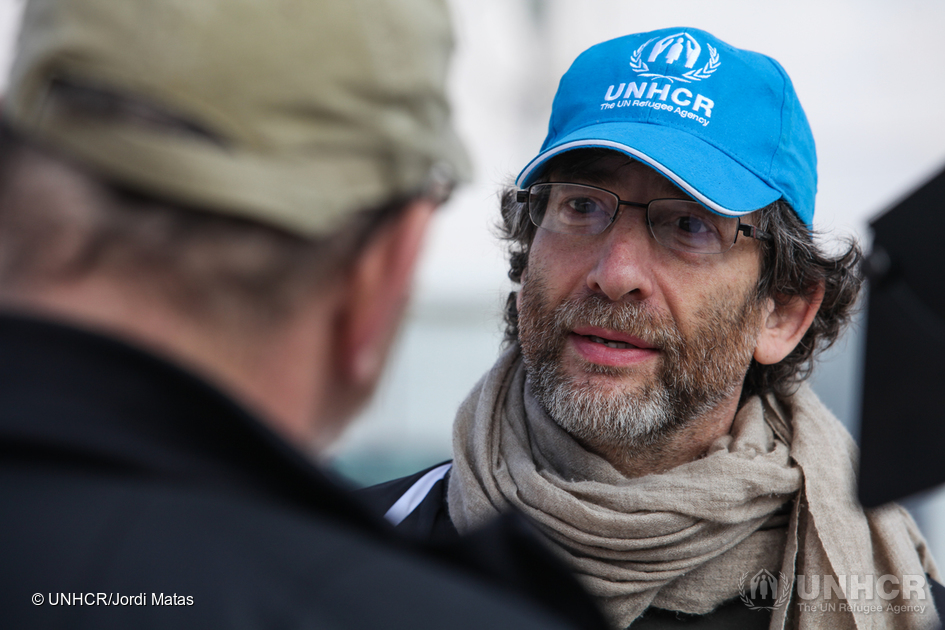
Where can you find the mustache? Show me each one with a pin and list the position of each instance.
(631, 318)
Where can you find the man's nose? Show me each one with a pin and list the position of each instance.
(624, 262)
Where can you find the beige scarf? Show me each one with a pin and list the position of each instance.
(772, 495)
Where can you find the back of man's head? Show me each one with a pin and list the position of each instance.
(289, 113)
(217, 159)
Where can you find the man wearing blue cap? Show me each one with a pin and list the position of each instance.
(650, 413)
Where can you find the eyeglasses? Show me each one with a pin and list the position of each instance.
(680, 224)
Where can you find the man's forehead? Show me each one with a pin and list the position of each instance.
(603, 167)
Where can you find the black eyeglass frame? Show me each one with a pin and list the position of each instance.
(523, 195)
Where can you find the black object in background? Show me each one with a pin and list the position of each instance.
(902, 436)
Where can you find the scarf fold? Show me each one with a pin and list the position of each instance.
(775, 494)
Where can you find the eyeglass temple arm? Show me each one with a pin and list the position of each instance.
(753, 232)
(521, 196)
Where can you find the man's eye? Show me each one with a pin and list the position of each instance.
(692, 225)
(582, 205)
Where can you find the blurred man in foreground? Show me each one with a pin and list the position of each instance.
(209, 217)
(651, 413)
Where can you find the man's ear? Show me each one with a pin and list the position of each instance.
(376, 292)
(785, 325)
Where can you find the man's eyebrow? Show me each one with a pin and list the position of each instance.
(597, 177)
(602, 177)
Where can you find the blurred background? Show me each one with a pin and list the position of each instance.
(868, 72)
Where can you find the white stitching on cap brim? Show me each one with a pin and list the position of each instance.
(679, 181)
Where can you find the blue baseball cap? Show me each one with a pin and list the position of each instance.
(723, 124)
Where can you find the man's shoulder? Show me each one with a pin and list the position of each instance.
(387, 493)
(416, 504)
(508, 550)
(210, 559)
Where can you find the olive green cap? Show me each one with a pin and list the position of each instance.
(314, 108)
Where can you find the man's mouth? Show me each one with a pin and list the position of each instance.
(612, 338)
(610, 343)
(610, 347)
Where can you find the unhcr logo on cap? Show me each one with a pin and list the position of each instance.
(677, 51)
(724, 124)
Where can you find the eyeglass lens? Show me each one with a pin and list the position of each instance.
(679, 224)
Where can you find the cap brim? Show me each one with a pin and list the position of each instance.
(702, 171)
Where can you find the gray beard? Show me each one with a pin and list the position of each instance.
(594, 416)
(694, 376)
